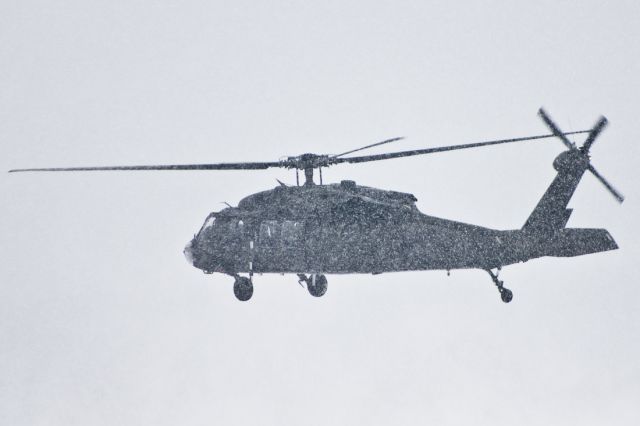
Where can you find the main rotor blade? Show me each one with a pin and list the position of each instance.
(218, 166)
(599, 127)
(440, 149)
(618, 196)
(368, 146)
(556, 131)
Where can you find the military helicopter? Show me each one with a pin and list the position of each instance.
(342, 228)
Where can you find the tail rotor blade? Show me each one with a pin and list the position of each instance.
(556, 131)
(599, 127)
(617, 195)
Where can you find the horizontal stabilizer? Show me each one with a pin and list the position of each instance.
(571, 242)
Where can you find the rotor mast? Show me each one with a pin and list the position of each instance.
(308, 162)
(308, 176)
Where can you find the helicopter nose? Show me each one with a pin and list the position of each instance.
(188, 252)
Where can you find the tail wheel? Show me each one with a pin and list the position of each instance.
(505, 294)
(243, 288)
(317, 285)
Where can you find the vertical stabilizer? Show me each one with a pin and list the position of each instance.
(551, 214)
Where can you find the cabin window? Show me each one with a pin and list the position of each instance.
(291, 231)
(269, 230)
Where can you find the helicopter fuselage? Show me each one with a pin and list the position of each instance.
(345, 228)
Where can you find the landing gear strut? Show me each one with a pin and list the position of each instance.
(505, 294)
(316, 284)
(242, 288)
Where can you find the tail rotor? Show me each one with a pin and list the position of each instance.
(584, 149)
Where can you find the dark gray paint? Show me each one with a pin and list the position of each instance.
(345, 228)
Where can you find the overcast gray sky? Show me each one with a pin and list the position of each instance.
(102, 320)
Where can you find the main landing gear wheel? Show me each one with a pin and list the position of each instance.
(316, 284)
(505, 294)
(243, 288)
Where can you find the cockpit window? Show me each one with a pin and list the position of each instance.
(208, 223)
(236, 225)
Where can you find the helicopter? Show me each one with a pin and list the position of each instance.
(316, 229)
